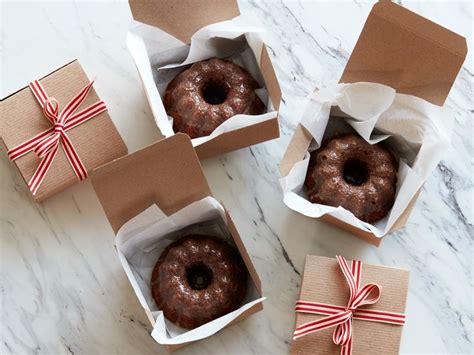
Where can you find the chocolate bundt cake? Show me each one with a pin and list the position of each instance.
(198, 278)
(349, 172)
(211, 91)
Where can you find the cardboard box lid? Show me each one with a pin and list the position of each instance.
(403, 50)
(184, 17)
(167, 173)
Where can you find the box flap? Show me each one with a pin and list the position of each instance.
(184, 17)
(243, 253)
(167, 173)
(296, 150)
(270, 77)
(403, 50)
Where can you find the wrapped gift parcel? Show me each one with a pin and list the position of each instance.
(213, 80)
(178, 246)
(349, 307)
(388, 110)
(57, 129)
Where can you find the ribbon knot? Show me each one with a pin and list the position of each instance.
(59, 128)
(46, 144)
(51, 109)
(341, 317)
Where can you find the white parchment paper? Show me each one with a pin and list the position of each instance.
(160, 58)
(416, 131)
(139, 244)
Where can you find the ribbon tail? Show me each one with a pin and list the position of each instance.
(320, 324)
(347, 349)
(46, 145)
(26, 147)
(347, 272)
(86, 114)
(72, 105)
(42, 170)
(73, 158)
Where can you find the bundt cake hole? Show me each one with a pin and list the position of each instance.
(355, 172)
(199, 276)
(214, 92)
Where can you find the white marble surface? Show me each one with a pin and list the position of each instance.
(62, 288)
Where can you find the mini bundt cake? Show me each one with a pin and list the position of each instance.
(198, 278)
(349, 172)
(203, 96)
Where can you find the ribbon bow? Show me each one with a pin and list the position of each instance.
(341, 317)
(46, 144)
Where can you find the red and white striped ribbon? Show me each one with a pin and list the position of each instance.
(46, 144)
(341, 316)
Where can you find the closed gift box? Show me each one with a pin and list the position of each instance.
(202, 30)
(404, 52)
(166, 180)
(324, 284)
(95, 141)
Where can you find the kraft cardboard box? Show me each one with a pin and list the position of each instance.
(166, 175)
(323, 282)
(96, 141)
(152, 52)
(405, 51)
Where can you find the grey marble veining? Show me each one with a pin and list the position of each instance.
(62, 288)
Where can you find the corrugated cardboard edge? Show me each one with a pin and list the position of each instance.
(254, 134)
(183, 18)
(144, 181)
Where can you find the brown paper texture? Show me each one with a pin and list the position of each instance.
(97, 141)
(168, 174)
(324, 282)
(403, 50)
(184, 17)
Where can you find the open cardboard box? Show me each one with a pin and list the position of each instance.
(405, 51)
(168, 174)
(182, 19)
